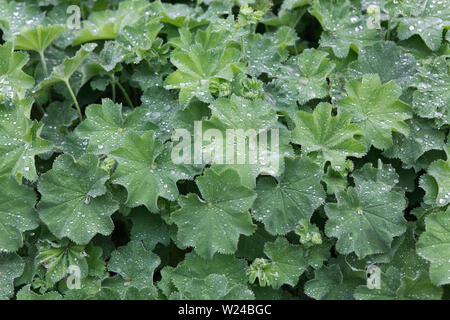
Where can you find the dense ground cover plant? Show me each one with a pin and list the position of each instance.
(359, 92)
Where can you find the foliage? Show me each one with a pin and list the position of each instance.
(361, 111)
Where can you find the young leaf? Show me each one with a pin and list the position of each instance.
(58, 257)
(39, 38)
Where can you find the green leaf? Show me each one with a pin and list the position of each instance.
(434, 245)
(396, 287)
(221, 216)
(424, 18)
(75, 202)
(148, 228)
(160, 106)
(331, 283)
(306, 76)
(422, 137)
(11, 267)
(288, 261)
(58, 257)
(367, 217)
(262, 55)
(106, 126)
(432, 97)
(17, 213)
(198, 67)
(387, 60)
(343, 26)
(107, 24)
(146, 170)
(13, 80)
(26, 294)
(63, 72)
(281, 205)
(249, 119)
(135, 264)
(206, 274)
(326, 138)
(375, 108)
(437, 182)
(20, 141)
(15, 16)
(39, 38)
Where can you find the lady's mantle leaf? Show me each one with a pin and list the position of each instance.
(437, 182)
(387, 60)
(14, 16)
(27, 294)
(434, 245)
(149, 228)
(343, 26)
(106, 126)
(282, 205)
(306, 76)
(376, 109)
(19, 141)
(395, 287)
(11, 267)
(423, 137)
(57, 258)
(63, 72)
(366, 217)
(288, 261)
(332, 283)
(13, 81)
(107, 24)
(75, 202)
(39, 38)
(196, 278)
(424, 18)
(17, 213)
(146, 170)
(432, 97)
(135, 264)
(327, 138)
(214, 224)
(198, 67)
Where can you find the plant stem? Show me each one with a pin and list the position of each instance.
(125, 94)
(44, 64)
(113, 87)
(388, 36)
(74, 99)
